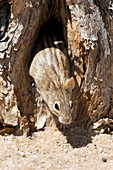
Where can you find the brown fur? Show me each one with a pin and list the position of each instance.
(51, 71)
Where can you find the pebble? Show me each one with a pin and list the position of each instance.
(104, 159)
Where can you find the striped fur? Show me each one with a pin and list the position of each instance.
(50, 70)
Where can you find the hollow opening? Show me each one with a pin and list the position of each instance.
(52, 28)
(53, 31)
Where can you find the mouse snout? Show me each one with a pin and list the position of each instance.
(65, 120)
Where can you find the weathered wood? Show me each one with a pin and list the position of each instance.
(87, 29)
(16, 50)
(91, 48)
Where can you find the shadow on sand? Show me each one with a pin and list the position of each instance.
(79, 136)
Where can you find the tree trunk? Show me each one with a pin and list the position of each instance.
(87, 30)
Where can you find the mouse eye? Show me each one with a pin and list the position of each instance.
(71, 104)
(57, 106)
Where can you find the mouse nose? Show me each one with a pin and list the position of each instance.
(65, 120)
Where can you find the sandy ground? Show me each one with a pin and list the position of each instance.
(76, 149)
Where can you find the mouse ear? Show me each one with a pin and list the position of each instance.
(69, 84)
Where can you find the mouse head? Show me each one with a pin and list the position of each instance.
(60, 101)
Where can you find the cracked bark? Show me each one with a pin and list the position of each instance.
(87, 29)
